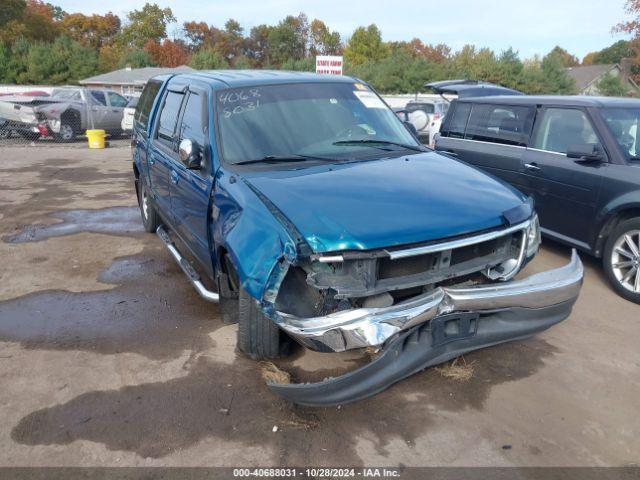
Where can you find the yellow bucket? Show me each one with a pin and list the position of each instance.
(96, 138)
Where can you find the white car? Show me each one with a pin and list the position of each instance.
(127, 116)
(426, 116)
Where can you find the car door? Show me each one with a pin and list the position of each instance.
(117, 104)
(191, 188)
(490, 136)
(565, 189)
(163, 151)
(98, 111)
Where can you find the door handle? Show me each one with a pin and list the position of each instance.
(174, 177)
(532, 166)
(115, 110)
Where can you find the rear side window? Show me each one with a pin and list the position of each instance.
(143, 109)
(457, 121)
(506, 124)
(193, 120)
(562, 128)
(169, 115)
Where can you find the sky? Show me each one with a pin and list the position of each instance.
(530, 27)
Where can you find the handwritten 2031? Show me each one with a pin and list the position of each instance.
(239, 101)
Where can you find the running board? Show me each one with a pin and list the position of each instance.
(189, 271)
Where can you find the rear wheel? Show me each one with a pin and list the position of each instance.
(150, 218)
(258, 337)
(622, 259)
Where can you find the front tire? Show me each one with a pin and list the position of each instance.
(258, 337)
(150, 217)
(621, 259)
(67, 132)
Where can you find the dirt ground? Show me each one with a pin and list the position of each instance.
(109, 357)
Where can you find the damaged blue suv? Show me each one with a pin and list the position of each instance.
(311, 213)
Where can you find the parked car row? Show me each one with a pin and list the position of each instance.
(65, 114)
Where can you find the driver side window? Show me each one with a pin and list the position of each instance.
(562, 128)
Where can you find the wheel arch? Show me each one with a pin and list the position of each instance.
(611, 220)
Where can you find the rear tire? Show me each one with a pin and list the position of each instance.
(258, 337)
(150, 217)
(621, 259)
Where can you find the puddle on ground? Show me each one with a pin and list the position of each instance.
(232, 403)
(153, 311)
(114, 221)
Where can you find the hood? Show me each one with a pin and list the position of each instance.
(384, 203)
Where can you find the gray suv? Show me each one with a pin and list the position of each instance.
(578, 157)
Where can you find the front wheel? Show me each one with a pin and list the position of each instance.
(67, 132)
(258, 337)
(150, 218)
(622, 259)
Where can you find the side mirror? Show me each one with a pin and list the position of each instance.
(585, 153)
(190, 154)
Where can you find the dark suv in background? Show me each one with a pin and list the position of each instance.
(578, 157)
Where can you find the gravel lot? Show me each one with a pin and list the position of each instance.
(108, 357)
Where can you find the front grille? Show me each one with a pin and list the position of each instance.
(380, 272)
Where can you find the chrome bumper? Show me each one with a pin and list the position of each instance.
(372, 327)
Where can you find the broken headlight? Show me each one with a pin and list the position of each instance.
(533, 236)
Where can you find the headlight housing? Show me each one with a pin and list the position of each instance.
(533, 236)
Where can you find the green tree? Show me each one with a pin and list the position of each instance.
(258, 45)
(365, 45)
(63, 61)
(149, 23)
(208, 59)
(566, 59)
(11, 10)
(288, 39)
(135, 58)
(323, 41)
(611, 86)
(614, 53)
(555, 75)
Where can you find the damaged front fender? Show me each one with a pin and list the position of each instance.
(248, 229)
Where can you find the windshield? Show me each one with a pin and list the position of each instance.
(66, 93)
(328, 120)
(623, 123)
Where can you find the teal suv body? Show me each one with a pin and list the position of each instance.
(313, 215)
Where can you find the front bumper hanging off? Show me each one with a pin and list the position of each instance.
(429, 329)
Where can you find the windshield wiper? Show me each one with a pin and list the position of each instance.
(367, 141)
(281, 158)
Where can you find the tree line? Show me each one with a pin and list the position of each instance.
(42, 44)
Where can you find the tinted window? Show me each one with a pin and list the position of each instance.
(99, 97)
(169, 115)
(561, 128)
(143, 109)
(506, 124)
(458, 120)
(193, 120)
(116, 100)
(624, 124)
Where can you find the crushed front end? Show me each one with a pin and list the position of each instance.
(419, 305)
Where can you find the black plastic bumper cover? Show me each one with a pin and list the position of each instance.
(423, 347)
